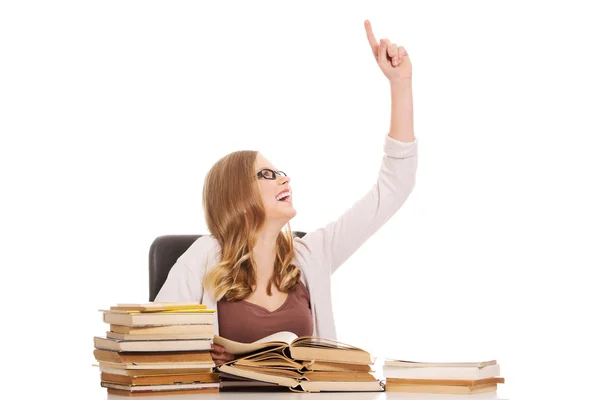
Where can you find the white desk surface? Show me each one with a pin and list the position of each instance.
(313, 396)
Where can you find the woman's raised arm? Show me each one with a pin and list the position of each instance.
(342, 237)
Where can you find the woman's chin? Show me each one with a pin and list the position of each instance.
(291, 213)
(282, 214)
(288, 214)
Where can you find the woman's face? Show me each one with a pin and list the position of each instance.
(276, 193)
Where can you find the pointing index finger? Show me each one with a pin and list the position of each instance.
(371, 37)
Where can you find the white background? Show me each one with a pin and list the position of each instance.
(111, 113)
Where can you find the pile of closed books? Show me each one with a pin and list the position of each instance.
(157, 348)
(302, 364)
(430, 377)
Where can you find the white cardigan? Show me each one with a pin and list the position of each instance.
(318, 253)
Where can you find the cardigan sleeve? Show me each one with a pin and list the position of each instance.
(338, 240)
(182, 285)
(185, 280)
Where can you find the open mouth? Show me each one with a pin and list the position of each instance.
(285, 197)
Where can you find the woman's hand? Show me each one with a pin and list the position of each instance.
(393, 60)
(219, 355)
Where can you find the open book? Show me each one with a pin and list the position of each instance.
(237, 348)
(304, 364)
(300, 348)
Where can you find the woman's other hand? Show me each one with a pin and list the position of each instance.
(219, 355)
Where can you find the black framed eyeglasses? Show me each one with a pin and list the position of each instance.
(267, 173)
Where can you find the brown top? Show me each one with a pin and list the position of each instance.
(246, 322)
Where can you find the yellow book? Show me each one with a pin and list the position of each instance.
(183, 311)
(158, 307)
(178, 311)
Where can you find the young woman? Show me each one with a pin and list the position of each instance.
(259, 278)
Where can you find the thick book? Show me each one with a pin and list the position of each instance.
(440, 389)
(126, 367)
(441, 372)
(134, 318)
(183, 336)
(163, 393)
(160, 388)
(446, 382)
(152, 345)
(117, 369)
(288, 360)
(161, 379)
(162, 360)
(196, 329)
(415, 364)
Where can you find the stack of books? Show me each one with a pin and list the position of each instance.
(157, 348)
(302, 364)
(446, 377)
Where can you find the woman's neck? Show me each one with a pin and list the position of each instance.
(264, 254)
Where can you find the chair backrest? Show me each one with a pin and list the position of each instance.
(164, 252)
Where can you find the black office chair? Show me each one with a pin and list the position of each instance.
(164, 252)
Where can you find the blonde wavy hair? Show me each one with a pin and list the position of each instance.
(234, 214)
